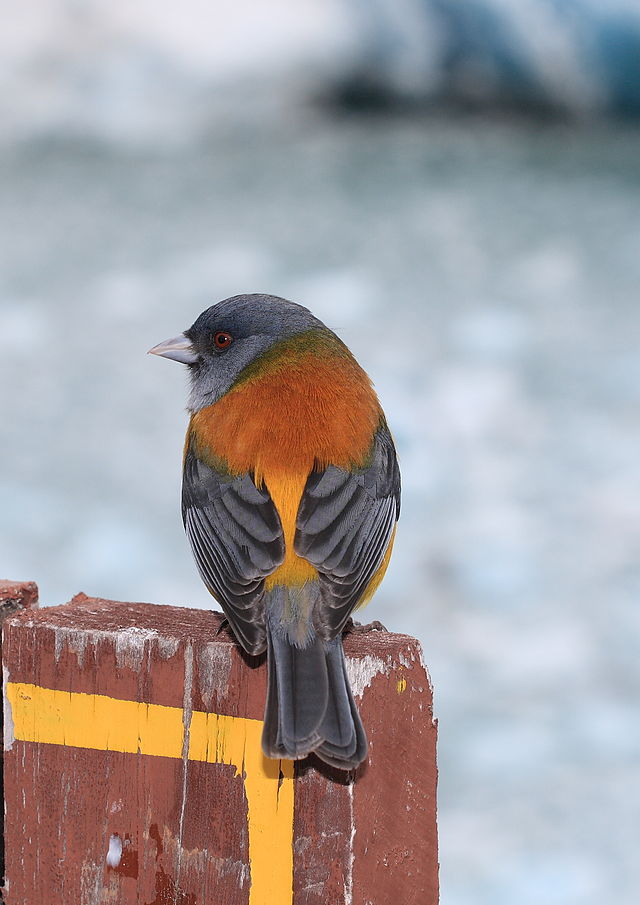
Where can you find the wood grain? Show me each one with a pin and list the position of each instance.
(199, 824)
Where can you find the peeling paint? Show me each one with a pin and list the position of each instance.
(406, 661)
(129, 643)
(214, 669)
(114, 853)
(130, 647)
(417, 657)
(74, 640)
(27, 623)
(168, 647)
(348, 883)
(301, 844)
(90, 883)
(9, 735)
(363, 670)
(196, 860)
(187, 712)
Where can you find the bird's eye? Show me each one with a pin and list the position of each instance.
(222, 340)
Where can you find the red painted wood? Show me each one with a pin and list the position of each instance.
(364, 841)
(17, 595)
(14, 597)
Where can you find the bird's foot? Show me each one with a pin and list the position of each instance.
(224, 626)
(352, 626)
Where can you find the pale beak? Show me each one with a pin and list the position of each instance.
(178, 349)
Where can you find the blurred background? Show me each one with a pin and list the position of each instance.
(452, 185)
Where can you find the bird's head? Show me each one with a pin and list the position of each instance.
(228, 337)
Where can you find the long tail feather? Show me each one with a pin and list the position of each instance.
(309, 707)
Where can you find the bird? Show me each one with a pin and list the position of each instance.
(290, 498)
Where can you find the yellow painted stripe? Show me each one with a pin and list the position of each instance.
(232, 740)
(53, 717)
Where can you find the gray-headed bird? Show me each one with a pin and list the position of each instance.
(290, 496)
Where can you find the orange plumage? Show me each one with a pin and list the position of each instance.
(311, 405)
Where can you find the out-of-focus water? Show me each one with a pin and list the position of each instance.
(486, 275)
(581, 56)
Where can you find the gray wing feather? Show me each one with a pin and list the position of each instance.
(237, 540)
(344, 525)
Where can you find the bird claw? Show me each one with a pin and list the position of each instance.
(224, 626)
(352, 626)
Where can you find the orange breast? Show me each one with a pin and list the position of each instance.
(316, 410)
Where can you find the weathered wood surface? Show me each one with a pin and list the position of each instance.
(133, 772)
(14, 596)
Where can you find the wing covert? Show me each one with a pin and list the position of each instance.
(345, 524)
(237, 540)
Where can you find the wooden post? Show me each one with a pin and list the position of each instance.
(14, 596)
(134, 774)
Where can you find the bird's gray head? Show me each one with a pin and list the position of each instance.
(229, 336)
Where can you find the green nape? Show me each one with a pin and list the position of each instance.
(291, 351)
(202, 451)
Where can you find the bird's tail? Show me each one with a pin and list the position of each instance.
(309, 706)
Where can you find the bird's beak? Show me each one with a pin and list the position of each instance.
(178, 349)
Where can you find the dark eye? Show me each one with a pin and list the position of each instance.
(222, 340)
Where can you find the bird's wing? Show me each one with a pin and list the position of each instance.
(344, 526)
(237, 540)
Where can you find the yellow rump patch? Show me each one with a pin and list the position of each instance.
(286, 492)
(48, 716)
